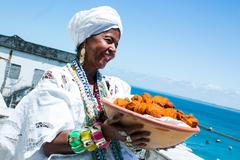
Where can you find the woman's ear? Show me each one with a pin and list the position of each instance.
(82, 54)
(78, 48)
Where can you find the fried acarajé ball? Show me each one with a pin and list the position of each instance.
(147, 98)
(141, 108)
(154, 110)
(162, 101)
(137, 98)
(122, 102)
(180, 115)
(190, 120)
(132, 105)
(170, 112)
(169, 105)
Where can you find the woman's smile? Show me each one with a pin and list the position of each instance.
(104, 60)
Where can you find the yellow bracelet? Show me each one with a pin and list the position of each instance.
(86, 138)
(85, 134)
(90, 146)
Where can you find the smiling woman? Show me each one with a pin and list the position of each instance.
(63, 118)
(100, 49)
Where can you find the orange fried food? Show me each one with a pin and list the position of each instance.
(141, 108)
(156, 106)
(162, 101)
(137, 98)
(169, 105)
(170, 112)
(122, 102)
(154, 110)
(132, 105)
(190, 120)
(147, 98)
(180, 115)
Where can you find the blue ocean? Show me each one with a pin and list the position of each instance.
(208, 144)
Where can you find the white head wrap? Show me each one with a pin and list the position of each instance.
(94, 21)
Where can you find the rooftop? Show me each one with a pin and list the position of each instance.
(17, 43)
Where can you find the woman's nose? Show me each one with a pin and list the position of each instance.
(112, 48)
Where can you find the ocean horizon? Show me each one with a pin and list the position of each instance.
(222, 119)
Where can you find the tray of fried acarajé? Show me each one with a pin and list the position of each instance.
(168, 125)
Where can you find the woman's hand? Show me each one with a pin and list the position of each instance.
(59, 145)
(112, 129)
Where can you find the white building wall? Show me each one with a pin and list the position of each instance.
(28, 63)
(4, 53)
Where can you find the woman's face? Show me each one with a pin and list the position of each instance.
(100, 49)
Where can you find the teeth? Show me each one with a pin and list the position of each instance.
(107, 53)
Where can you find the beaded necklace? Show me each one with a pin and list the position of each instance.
(88, 102)
(92, 105)
(96, 93)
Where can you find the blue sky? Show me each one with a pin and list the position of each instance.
(181, 40)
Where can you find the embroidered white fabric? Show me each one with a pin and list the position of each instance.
(53, 106)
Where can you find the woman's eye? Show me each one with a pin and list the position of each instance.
(109, 41)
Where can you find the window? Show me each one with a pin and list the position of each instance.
(37, 76)
(14, 71)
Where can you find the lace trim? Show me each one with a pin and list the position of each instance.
(33, 143)
(44, 124)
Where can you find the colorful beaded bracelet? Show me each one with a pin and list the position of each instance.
(86, 138)
(78, 149)
(75, 142)
(74, 139)
(97, 136)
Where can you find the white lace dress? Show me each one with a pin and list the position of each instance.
(53, 106)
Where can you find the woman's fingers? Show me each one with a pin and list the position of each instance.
(139, 138)
(133, 128)
(115, 131)
(134, 131)
(141, 141)
(139, 135)
(142, 145)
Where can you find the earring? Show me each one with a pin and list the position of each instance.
(82, 55)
